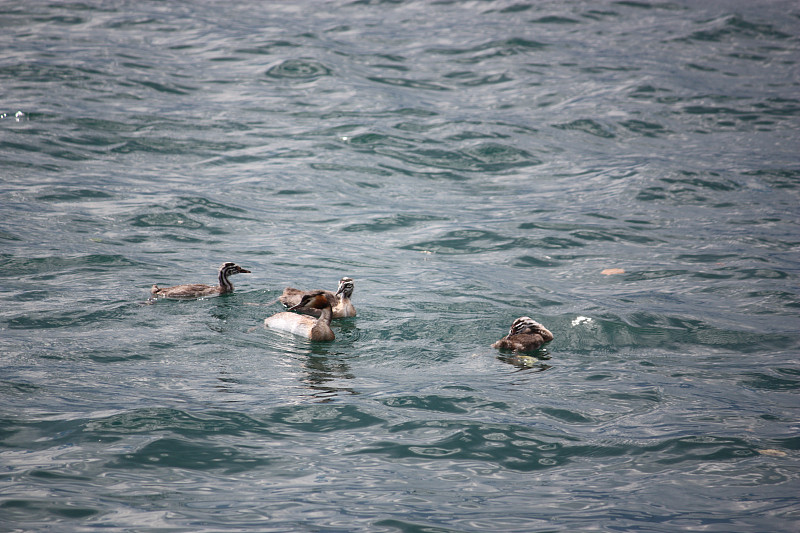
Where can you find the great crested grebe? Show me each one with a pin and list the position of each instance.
(342, 306)
(315, 329)
(525, 335)
(199, 290)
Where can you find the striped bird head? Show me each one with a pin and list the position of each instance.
(346, 287)
(525, 324)
(232, 268)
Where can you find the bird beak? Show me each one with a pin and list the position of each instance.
(243, 271)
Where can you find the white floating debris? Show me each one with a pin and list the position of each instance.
(581, 320)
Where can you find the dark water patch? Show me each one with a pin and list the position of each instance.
(709, 258)
(647, 92)
(131, 22)
(781, 178)
(516, 8)
(611, 235)
(299, 69)
(165, 421)
(51, 475)
(529, 261)
(47, 268)
(509, 447)
(175, 216)
(268, 47)
(554, 19)
(689, 188)
(496, 157)
(477, 135)
(601, 69)
(648, 5)
(438, 403)
(504, 47)
(374, 140)
(465, 242)
(486, 157)
(77, 318)
(775, 379)
(473, 80)
(648, 129)
(323, 418)
(394, 222)
(16, 387)
(330, 167)
(408, 83)
(589, 126)
(165, 220)
(170, 88)
(31, 296)
(190, 455)
(760, 273)
(185, 239)
(731, 27)
(120, 355)
(598, 14)
(41, 72)
(701, 449)
(174, 145)
(6, 236)
(790, 443)
(434, 175)
(773, 300)
(30, 511)
(398, 68)
(75, 195)
(292, 192)
(199, 205)
(568, 416)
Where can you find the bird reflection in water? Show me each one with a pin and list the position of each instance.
(322, 373)
(533, 363)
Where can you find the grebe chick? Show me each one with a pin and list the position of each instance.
(315, 329)
(199, 290)
(342, 306)
(525, 335)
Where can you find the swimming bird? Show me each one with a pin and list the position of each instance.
(199, 290)
(342, 306)
(525, 335)
(315, 329)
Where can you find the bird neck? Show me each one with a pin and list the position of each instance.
(325, 315)
(224, 283)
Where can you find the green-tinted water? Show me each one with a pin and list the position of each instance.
(466, 163)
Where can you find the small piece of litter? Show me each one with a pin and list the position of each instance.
(612, 271)
(581, 320)
(772, 453)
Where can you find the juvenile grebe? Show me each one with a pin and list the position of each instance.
(342, 306)
(315, 329)
(525, 335)
(199, 290)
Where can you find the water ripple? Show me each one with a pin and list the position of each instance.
(302, 69)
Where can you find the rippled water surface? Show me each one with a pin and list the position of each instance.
(627, 173)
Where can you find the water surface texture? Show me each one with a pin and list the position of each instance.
(627, 173)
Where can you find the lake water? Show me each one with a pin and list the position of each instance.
(627, 173)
